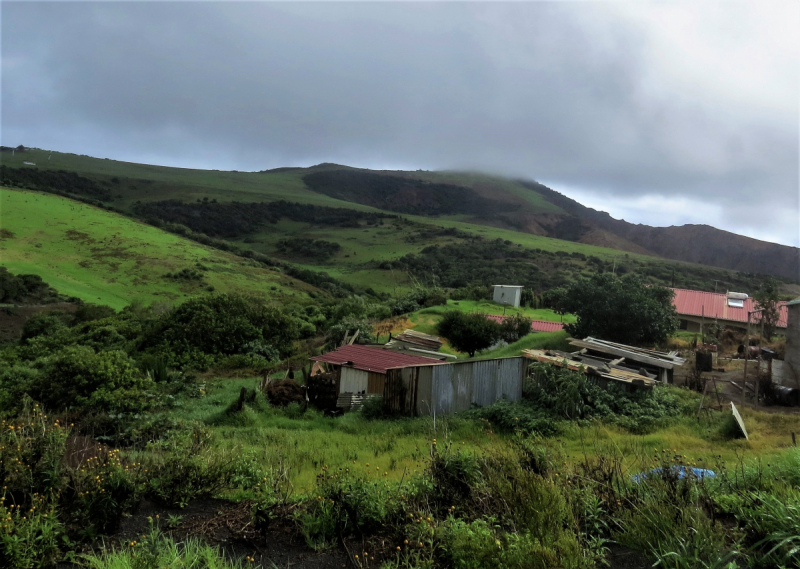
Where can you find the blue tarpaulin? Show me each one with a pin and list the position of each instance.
(679, 470)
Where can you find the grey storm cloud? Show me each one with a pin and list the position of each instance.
(619, 101)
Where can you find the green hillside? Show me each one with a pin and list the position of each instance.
(387, 256)
(106, 258)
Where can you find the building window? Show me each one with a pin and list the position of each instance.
(683, 325)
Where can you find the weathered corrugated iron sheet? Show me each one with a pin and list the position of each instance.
(353, 380)
(459, 386)
(450, 388)
(369, 358)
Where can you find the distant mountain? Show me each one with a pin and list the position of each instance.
(701, 244)
(501, 202)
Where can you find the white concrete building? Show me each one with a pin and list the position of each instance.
(507, 294)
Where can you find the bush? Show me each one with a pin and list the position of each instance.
(515, 327)
(572, 395)
(44, 324)
(349, 326)
(90, 312)
(224, 324)
(77, 378)
(372, 409)
(348, 504)
(30, 539)
(622, 310)
(186, 466)
(468, 332)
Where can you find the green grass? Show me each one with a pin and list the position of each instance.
(535, 341)
(425, 321)
(400, 447)
(307, 443)
(361, 248)
(103, 257)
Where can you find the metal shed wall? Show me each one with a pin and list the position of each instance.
(459, 386)
(353, 380)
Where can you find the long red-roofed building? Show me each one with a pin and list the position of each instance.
(695, 307)
(536, 325)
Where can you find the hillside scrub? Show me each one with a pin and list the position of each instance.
(235, 219)
(220, 325)
(26, 289)
(401, 194)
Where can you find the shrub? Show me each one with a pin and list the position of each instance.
(15, 382)
(515, 327)
(30, 539)
(468, 332)
(186, 466)
(622, 310)
(349, 326)
(78, 378)
(44, 324)
(372, 409)
(223, 324)
(348, 504)
(517, 417)
(90, 312)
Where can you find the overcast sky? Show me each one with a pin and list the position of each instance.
(662, 113)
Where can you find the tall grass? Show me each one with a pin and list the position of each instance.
(156, 551)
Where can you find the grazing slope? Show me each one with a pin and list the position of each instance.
(106, 258)
(523, 212)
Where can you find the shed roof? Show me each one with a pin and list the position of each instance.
(536, 325)
(715, 306)
(372, 359)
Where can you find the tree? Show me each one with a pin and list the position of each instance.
(767, 299)
(515, 327)
(223, 324)
(624, 310)
(468, 332)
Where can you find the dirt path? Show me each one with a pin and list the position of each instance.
(228, 526)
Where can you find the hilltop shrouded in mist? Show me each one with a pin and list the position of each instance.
(661, 114)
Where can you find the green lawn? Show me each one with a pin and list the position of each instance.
(106, 258)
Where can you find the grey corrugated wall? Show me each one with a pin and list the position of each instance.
(457, 387)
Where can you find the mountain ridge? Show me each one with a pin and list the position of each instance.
(521, 206)
(694, 243)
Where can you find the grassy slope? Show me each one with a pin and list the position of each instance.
(114, 260)
(146, 182)
(398, 447)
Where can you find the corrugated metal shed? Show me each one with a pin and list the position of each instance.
(454, 387)
(715, 306)
(371, 359)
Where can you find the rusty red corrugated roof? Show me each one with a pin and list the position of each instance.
(372, 359)
(536, 325)
(715, 306)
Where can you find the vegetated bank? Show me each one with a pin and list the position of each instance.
(546, 482)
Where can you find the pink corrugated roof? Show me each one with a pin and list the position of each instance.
(372, 359)
(715, 306)
(536, 325)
